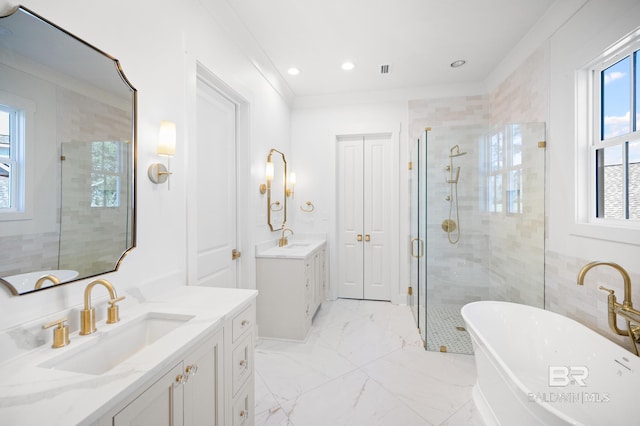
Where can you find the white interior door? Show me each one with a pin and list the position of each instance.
(215, 196)
(377, 208)
(350, 207)
(364, 206)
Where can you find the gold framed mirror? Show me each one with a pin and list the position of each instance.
(276, 190)
(67, 156)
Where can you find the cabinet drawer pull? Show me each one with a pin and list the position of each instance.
(245, 323)
(243, 413)
(181, 379)
(191, 370)
(243, 363)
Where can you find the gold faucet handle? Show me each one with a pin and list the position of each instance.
(611, 292)
(60, 333)
(113, 312)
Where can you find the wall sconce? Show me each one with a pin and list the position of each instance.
(158, 172)
(269, 175)
(292, 184)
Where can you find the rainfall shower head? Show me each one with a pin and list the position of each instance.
(455, 152)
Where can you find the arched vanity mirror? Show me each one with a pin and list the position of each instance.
(67, 156)
(276, 190)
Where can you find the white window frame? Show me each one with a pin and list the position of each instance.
(505, 133)
(588, 121)
(23, 176)
(118, 174)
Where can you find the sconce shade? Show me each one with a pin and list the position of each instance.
(269, 172)
(290, 189)
(167, 138)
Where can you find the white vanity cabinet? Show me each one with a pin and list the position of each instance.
(181, 357)
(291, 287)
(189, 393)
(213, 383)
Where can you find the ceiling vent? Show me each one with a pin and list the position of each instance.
(385, 69)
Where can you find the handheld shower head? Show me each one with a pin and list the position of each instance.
(455, 152)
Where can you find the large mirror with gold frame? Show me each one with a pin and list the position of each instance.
(276, 190)
(67, 156)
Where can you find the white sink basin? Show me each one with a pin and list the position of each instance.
(113, 347)
(296, 245)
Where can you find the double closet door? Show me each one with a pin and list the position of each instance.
(364, 208)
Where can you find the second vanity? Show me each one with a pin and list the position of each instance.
(291, 281)
(191, 363)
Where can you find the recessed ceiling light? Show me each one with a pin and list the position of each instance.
(348, 66)
(458, 63)
(293, 71)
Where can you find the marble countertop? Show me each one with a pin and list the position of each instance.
(35, 395)
(296, 249)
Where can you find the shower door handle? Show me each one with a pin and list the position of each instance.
(420, 247)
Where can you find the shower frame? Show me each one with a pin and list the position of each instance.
(498, 244)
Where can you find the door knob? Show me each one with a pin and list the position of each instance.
(235, 254)
(367, 238)
(359, 237)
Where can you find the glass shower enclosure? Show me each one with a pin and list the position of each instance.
(477, 224)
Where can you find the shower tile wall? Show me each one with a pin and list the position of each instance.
(40, 251)
(514, 266)
(467, 261)
(517, 255)
(522, 97)
(29, 252)
(586, 304)
(456, 273)
(95, 251)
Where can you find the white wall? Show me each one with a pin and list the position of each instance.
(595, 27)
(158, 44)
(313, 135)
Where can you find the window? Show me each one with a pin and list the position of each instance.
(11, 159)
(615, 144)
(106, 160)
(503, 163)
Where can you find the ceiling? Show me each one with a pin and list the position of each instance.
(418, 39)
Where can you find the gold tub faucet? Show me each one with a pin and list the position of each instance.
(88, 314)
(615, 309)
(625, 277)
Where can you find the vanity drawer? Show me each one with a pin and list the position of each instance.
(243, 322)
(242, 361)
(243, 406)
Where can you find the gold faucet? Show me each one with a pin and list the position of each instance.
(625, 310)
(283, 241)
(88, 314)
(44, 278)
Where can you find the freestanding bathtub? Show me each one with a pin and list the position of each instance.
(536, 367)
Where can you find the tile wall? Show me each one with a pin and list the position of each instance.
(513, 268)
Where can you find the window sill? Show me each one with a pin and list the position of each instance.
(627, 233)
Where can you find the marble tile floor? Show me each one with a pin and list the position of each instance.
(362, 364)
